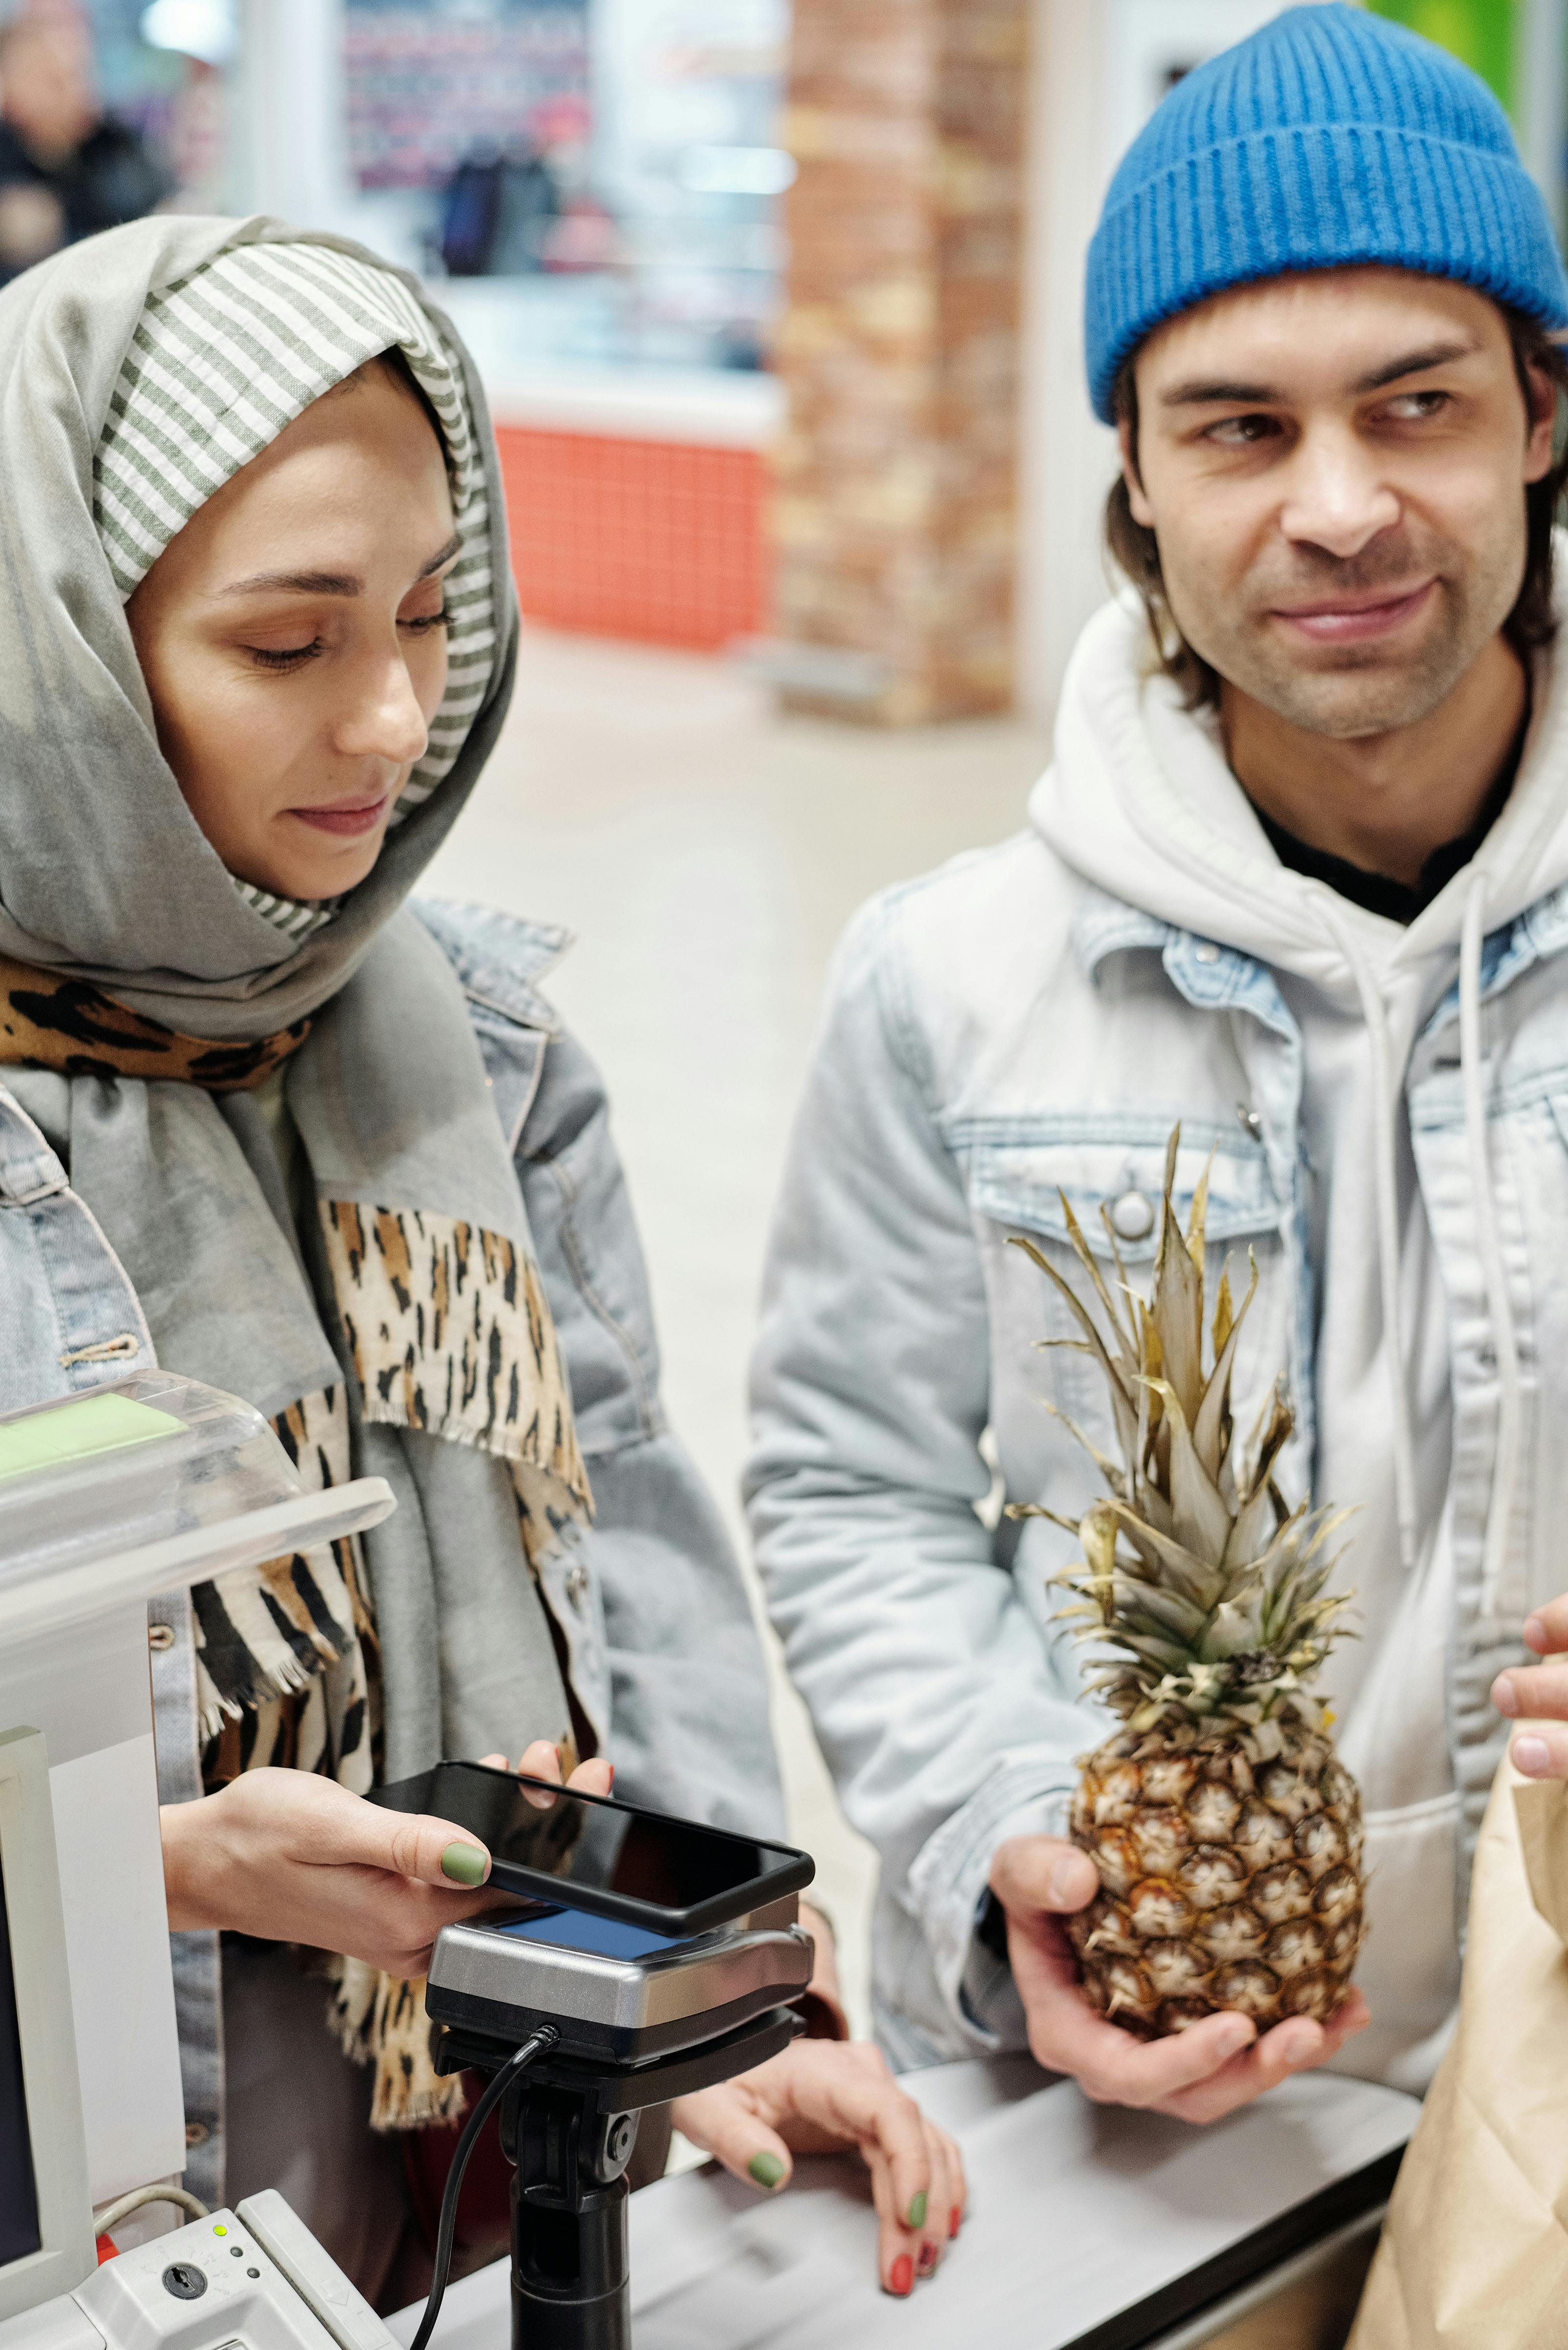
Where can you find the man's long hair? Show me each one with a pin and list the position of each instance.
(1532, 624)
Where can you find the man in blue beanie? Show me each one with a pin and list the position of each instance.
(1298, 880)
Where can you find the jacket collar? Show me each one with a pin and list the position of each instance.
(497, 957)
(1215, 978)
(1212, 978)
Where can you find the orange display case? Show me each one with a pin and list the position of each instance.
(660, 541)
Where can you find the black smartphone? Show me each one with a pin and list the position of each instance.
(668, 1877)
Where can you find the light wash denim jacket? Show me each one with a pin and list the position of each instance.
(650, 1605)
(998, 1034)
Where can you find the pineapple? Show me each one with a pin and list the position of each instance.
(1226, 1832)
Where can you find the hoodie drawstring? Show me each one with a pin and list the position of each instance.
(1375, 1013)
(1495, 1273)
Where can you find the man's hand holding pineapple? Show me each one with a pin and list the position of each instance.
(1197, 2075)
(1295, 885)
(1211, 1905)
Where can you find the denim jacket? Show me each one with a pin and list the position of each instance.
(999, 1035)
(650, 1607)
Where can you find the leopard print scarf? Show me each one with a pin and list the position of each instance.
(73, 1027)
(446, 1332)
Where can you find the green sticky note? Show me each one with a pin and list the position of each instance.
(75, 1431)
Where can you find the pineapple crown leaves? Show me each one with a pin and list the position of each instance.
(1204, 1588)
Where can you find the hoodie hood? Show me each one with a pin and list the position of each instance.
(1139, 801)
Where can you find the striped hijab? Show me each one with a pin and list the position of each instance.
(142, 996)
(219, 364)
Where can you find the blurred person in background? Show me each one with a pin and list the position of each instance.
(67, 168)
(495, 212)
(1298, 880)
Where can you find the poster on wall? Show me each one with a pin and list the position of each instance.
(426, 86)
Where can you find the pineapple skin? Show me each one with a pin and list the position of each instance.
(1230, 1875)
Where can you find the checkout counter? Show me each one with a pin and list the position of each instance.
(1089, 2228)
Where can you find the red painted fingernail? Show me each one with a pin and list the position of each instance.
(928, 2258)
(902, 2279)
(955, 2220)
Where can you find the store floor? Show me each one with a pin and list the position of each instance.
(706, 852)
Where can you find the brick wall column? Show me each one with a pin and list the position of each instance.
(893, 509)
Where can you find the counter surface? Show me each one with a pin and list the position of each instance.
(1078, 2211)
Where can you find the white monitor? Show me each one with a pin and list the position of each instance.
(109, 1499)
(47, 2244)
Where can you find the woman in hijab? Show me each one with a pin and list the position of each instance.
(268, 1126)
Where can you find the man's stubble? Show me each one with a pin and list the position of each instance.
(1349, 691)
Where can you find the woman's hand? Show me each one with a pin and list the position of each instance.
(823, 2096)
(288, 1856)
(541, 1761)
(823, 2006)
(292, 1857)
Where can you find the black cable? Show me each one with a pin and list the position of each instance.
(538, 2043)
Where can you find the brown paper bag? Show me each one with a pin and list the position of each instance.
(1474, 2253)
(1540, 1809)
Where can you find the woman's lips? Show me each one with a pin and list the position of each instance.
(1351, 623)
(363, 816)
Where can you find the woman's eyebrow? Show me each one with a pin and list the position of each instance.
(330, 583)
(443, 555)
(299, 583)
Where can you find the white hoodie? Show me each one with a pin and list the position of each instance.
(1389, 1106)
(1141, 801)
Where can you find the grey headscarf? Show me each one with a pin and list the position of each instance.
(105, 877)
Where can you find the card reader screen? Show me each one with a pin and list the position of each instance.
(18, 2194)
(579, 1930)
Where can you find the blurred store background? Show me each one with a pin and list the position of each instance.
(777, 308)
(778, 299)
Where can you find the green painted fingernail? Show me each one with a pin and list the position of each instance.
(766, 2169)
(918, 2210)
(464, 1863)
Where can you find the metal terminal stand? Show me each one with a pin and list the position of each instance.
(568, 2127)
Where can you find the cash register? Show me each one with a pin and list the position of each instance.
(107, 1500)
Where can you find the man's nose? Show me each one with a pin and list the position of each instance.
(1337, 497)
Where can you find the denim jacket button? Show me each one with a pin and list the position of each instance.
(196, 2133)
(1206, 951)
(1132, 1216)
(160, 1636)
(578, 1585)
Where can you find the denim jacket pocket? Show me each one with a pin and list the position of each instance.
(1023, 1177)
(1020, 1173)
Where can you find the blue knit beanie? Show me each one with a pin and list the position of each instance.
(1328, 138)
